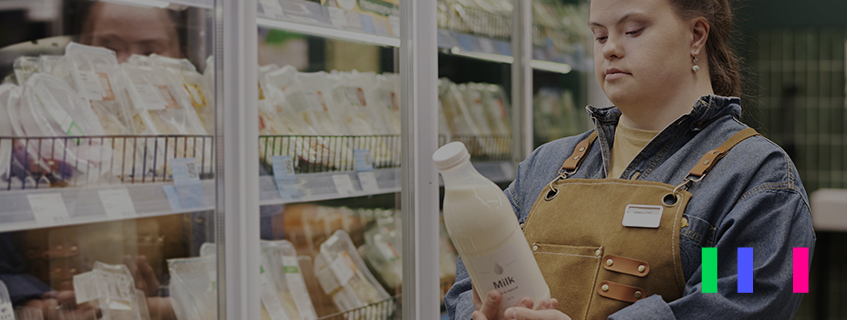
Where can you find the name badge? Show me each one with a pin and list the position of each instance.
(642, 216)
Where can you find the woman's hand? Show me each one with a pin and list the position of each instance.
(142, 273)
(545, 310)
(488, 310)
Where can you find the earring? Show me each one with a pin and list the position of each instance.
(695, 67)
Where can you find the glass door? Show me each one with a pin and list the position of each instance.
(108, 167)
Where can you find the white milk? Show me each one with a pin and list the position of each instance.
(485, 231)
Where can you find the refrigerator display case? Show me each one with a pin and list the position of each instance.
(264, 159)
(110, 168)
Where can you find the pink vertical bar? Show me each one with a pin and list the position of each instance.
(801, 270)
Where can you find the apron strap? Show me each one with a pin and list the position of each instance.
(573, 162)
(708, 161)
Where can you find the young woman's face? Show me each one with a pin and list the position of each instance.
(132, 30)
(642, 49)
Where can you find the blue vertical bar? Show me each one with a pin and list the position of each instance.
(745, 270)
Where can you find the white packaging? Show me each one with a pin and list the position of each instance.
(485, 231)
(345, 277)
(9, 95)
(114, 289)
(24, 68)
(50, 108)
(193, 287)
(286, 273)
(185, 76)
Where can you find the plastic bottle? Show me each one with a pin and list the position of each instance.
(485, 231)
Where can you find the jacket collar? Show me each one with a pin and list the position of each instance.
(707, 109)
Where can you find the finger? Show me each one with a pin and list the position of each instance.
(66, 298)
(554, 304)
(544, 304)
(148, 275)
(477, 303)
(491, 304)
(526, 303)
(476, 315)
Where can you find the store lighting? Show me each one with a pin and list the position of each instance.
(562, 68)
(143, 3)
(328, 32)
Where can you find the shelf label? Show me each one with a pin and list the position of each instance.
(343, 184)
(272, 8)
(464, 42)
(48, 208)
(368, 25)
(368, 181)
(117, 203)
(338, 17)
(486, 45)
(184, 170)
(186, 193)
(362, 160)
(286, 182)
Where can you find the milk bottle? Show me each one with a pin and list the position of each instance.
(485, 231)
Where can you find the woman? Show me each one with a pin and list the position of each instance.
(617, 217)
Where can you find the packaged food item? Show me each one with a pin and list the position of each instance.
(140, 60)
(9, 94)
(161, 107)
(384, 13)
(485, 230)
(50, 108)
(193, 287)
(388, 99)
(345, 277)
(285, 271)
(114, 289)
(57, 66)
(99, 79)
(476, 108)
(456, 110)
(24, 68)
(497, 102)
(185, 76)
(353, 92)
(383, 256)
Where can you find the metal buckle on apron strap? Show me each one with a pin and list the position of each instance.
(572, 163)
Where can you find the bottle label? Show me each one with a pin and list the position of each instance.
(503, 270)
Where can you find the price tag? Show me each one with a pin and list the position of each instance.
(185, 197)
(362, 160)
(487, 45)
(464, 42)
(286, 182)
(184, 170)
(343, 184)
(338, 17)
(368, 25)
(151, 97)
(272, 9)
(90, 86)
(48, 208)
(368, 181)
(117, 203)
(341, 270)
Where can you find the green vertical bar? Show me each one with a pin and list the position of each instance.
(709, 283)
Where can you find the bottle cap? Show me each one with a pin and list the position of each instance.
(450, 155)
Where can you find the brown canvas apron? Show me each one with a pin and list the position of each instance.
(593, 264)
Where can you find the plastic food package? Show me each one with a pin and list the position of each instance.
(24, 68)
(9, 95)
(6, 311)
(193, 287)
(456, 110)
(98, 78)
(50, 108)
(185, 76)
(57, 66)
(388, 99)
(345, 277)
(281, 263)
(382, 256)
(114, 289)
(163, 108)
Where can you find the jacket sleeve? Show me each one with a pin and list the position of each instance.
(772, 222)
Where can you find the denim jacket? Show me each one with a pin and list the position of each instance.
(751, 198)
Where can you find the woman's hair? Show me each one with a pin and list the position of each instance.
(723, 63)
